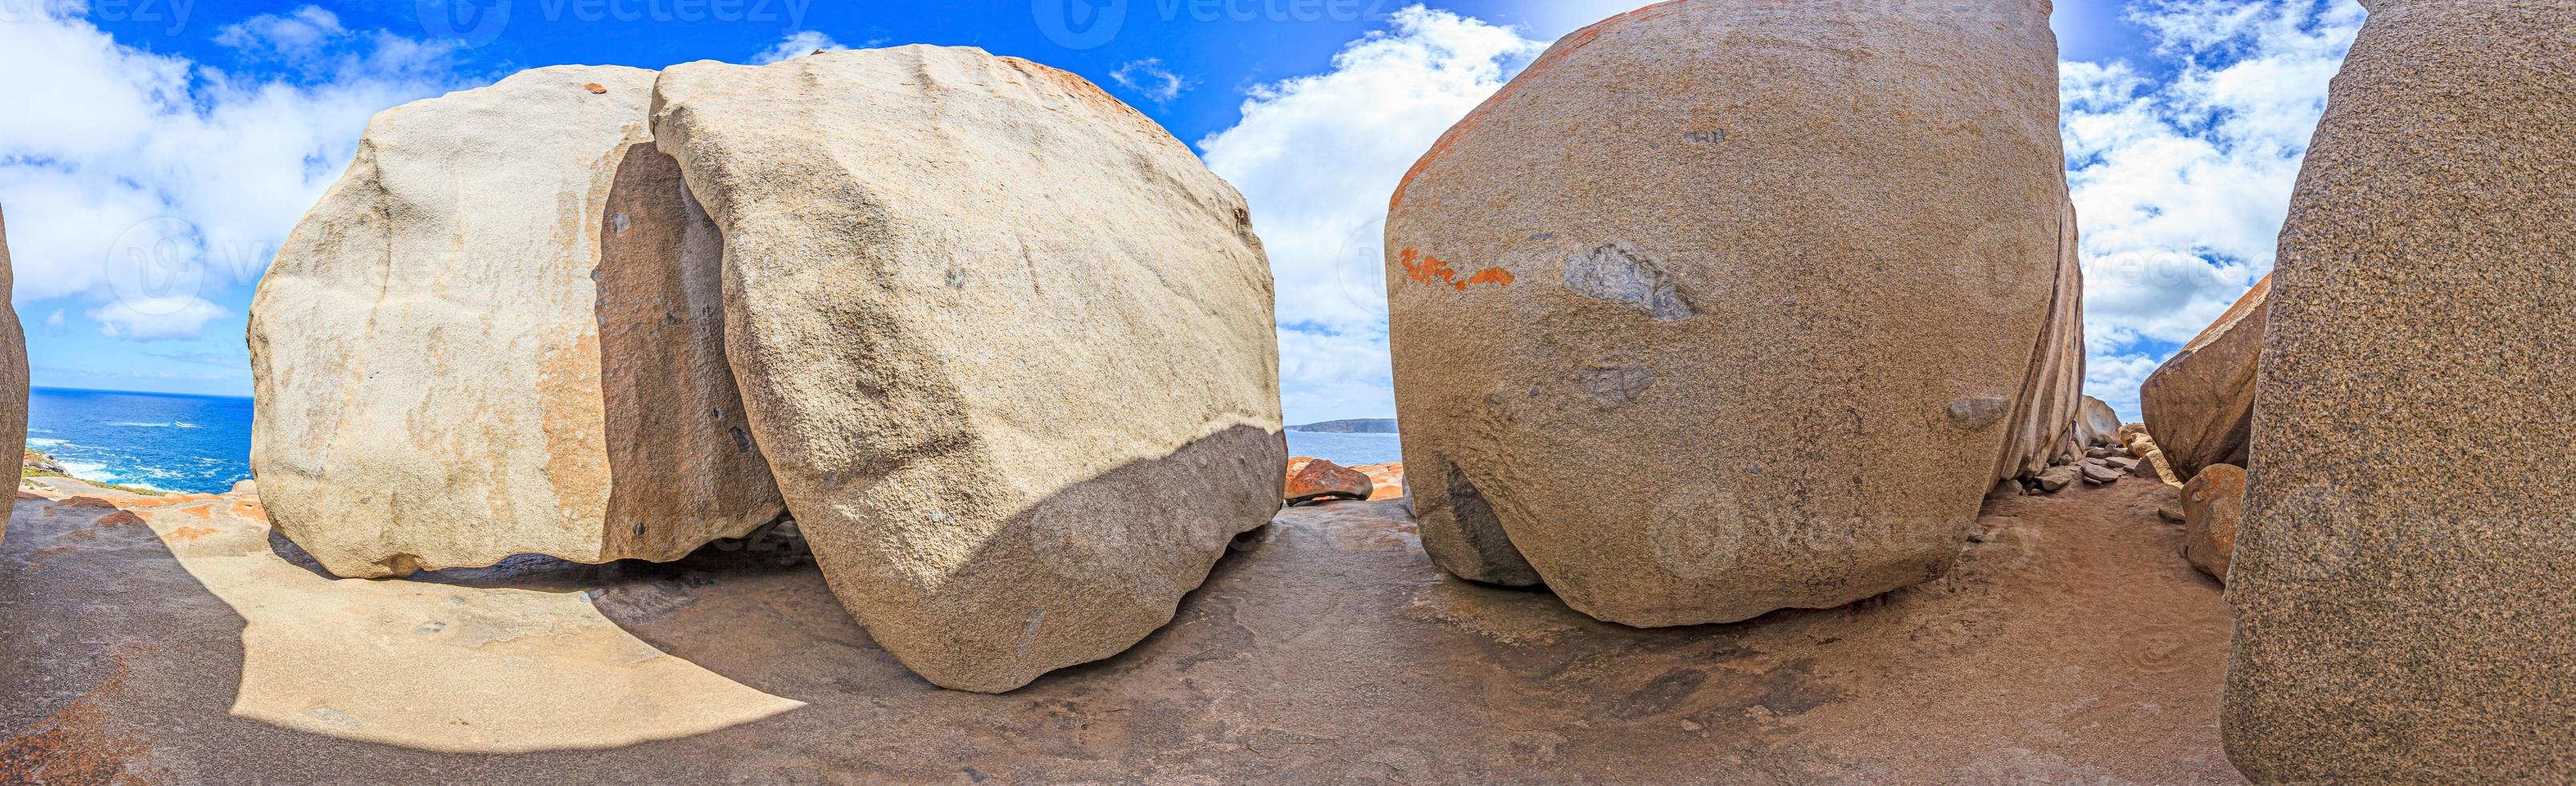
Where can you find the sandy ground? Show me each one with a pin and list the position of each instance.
(2073, 644)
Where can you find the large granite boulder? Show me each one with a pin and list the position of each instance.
(500, 334)
(1659, 304)
(2053, 396)
(2402, 577)
(2200, 403)
(13, 363)
(1007, 343)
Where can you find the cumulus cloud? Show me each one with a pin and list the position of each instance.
(2182, 179)
(176, 317)
(1150, 79)
(797, 44)
(126, 172)
(1319, 156)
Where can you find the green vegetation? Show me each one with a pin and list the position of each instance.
(29, 468)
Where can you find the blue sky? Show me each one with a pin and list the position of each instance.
(158, 150)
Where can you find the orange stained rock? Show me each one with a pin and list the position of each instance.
(1426, 269)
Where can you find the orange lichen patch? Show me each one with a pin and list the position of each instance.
(86, 502)
(191, 533)
(167, 500)
(595, 88)
(1492, 275)
(119, 519)
(1387, 478)
(1548, 61)
(1425, 269)
(249, 509)
(68, 747)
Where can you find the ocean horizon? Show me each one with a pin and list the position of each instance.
(200, 444)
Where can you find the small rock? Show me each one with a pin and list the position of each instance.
(1322, 480)
(2057, 478)
(2102, 452)
(2170, 511)
(2099, 475)
(2122, 464)
(2211, 506)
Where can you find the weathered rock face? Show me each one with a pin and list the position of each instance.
(1007, 343)
(2402, 575)
(2213, 504)
(1657, 304)
(2096, 424)
(1311, 479)
(2200, 403)
(2054, 394)
(500, 334)
(13, 362)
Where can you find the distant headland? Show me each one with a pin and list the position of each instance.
(1364, 426)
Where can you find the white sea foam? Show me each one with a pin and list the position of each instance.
(42, 442)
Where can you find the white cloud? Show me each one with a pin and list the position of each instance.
(2182, 182)
(157, 319)
(1319, 156)
(1150, 79)
(795, 45)
(113, 155)
(302, 32)
(54, 323)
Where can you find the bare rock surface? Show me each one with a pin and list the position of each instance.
(1006, 342)
(2096, 424)
(2046, 411)
(2069, 646)
(13, 362)
(2402, 572)
(1657, 305)
(2200, 403)
(498, 335)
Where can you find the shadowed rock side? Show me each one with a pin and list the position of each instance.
(440, 380)
(2402, 570)
(13, 362)
(2070, 646)
(678, 440)
(1006, 342)
(2200, 403)
(2044, 414)
(1659, 306)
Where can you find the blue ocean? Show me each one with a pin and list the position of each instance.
(201, 444)
(193, 444)
(1349, 450)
